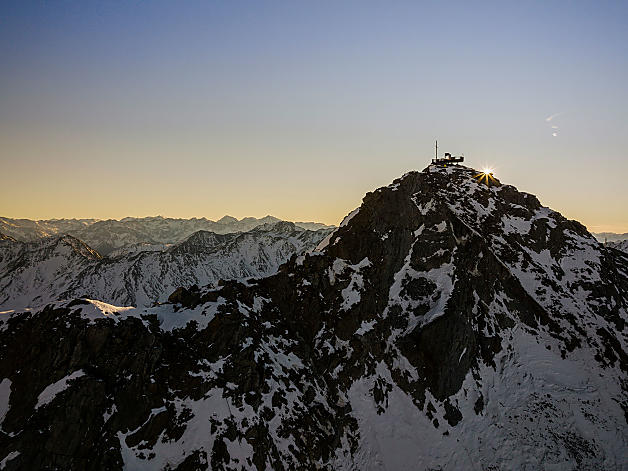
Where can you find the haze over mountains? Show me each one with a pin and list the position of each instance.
(107, 235)
(444, 325)
(610, 236)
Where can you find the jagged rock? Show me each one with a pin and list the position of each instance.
(186, 297)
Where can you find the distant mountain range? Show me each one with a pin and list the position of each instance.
(59, 267)
(610, 236)
(616, 241)
(108, 235)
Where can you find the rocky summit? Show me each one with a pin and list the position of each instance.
(445, 325)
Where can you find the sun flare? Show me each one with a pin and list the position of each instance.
(486, 176)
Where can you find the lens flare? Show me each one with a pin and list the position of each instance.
(486, 177)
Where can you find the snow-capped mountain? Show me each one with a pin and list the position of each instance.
(109, 235)
(49, 269)
(444, 325)
(27, 229)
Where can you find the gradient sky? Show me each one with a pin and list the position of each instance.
(296, 109)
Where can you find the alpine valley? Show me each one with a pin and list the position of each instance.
(445, 325)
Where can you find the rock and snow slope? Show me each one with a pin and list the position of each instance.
(445, 325)
(54, 268)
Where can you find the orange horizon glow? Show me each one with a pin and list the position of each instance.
(293, 207)
(297, 109)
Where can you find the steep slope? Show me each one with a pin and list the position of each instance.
(36, 273)
(111, 235)
(107, 236)
(204, 258)
(443, 325)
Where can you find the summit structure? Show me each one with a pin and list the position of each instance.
(448, 159)
(444, 325)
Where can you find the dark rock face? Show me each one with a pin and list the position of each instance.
(187, 298)
(444, 322)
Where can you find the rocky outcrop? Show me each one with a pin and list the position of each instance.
(443, 325)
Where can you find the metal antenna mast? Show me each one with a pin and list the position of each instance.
(436, 155)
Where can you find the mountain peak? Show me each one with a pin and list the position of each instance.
(227, 220)
(278, 226)
(438, 196)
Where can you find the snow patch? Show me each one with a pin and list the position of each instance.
(11, 456)
(324, 243)
(51, 391)
(516, 225)
(108, 413)
(365, 327)
(5, 396)
(97, 310)
(349, 216)
(170, 320)
(351, 294)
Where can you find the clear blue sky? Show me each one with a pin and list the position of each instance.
(111, 109)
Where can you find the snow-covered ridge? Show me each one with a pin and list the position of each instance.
(36, 273)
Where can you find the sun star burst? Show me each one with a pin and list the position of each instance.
(486, 177)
